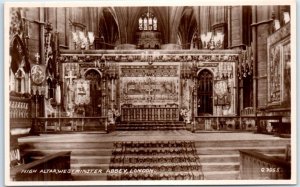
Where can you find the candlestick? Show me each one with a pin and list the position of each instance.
(29, 84)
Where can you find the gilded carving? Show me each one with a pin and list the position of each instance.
(145, 84)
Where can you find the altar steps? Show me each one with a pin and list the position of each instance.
(93, 126)
(142, 126)
(219, 158)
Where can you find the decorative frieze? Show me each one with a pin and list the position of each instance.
(142, 70)
(148, 56)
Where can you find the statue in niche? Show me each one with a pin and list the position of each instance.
(69, 98)
(70, 89)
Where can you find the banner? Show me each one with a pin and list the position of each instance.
(82, 91)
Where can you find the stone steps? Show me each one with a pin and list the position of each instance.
(103, 176)
(220, 166)
(235, 150)
(139, 166)
(151, 126)
(75, 152)
(224, 175)
(241, 143)
(135, 156)
(156, 151)
(69, 145)
(166, 128)
(219, 158)
(84, 159)
(108, 145)
(90, 166)
(89, 177)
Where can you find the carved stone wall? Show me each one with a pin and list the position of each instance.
(164, 80)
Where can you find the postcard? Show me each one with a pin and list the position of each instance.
(140, 93)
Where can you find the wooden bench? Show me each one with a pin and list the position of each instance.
(54, 167)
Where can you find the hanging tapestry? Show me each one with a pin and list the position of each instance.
(279, 62)
(82, 91)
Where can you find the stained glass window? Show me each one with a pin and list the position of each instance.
(145, 24)
(140, 24)
(148, 22)
(154, 23)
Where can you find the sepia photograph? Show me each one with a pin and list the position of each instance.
(131, 92)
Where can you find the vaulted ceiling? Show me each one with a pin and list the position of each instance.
(119, 24)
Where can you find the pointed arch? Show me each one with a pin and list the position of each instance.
(109, 29)
(18, 52)
(205, 92)
(187, 26)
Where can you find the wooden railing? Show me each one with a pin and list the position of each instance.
(255, 165)
(51, 124)
(249, 111)
(55, 167)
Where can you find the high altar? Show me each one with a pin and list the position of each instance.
(149, 85)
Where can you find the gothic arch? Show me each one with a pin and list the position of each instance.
(199, 71)
(187, 27)
(18, 51)
(109, 27)
(94, 108)
(205, 92)
(91, 69)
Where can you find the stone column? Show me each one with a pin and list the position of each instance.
(262, 27)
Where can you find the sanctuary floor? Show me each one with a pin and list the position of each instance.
(149, 136)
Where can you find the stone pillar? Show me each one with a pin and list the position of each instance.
(254, 50)
(112, 93)
(12, 82)
(236, 28)
(42, 36)
(23, 85)
(263, 26)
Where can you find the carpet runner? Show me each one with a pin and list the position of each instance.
(167, 160)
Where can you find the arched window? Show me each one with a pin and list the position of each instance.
(20, 66)
(145, 24)
(155, 23)
(148, 22)
(140, 24)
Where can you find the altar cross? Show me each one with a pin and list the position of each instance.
(70, 76)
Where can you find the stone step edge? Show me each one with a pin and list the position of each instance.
(220, 172)
(164, 172)
(75, 165)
